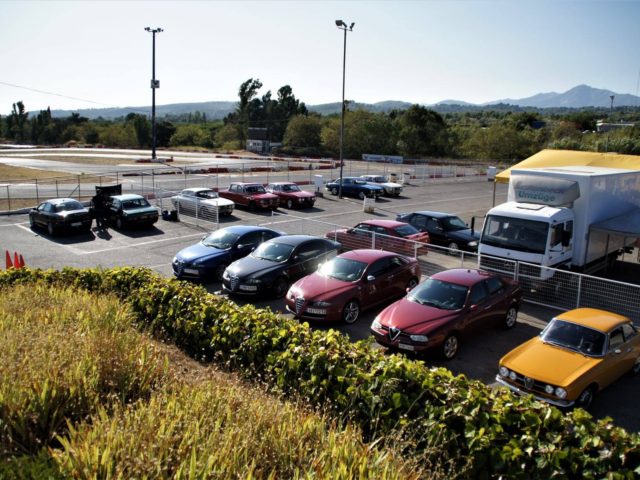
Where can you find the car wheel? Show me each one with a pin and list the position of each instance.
(411, 284)
(586, 397)
(453, 246)
(289, 204)
(32, 222)
(636, 367)
(511, 317)
(334, 191)
(361, 195)
(280, 287)
(219, 271)
(119, 223)
(351, 312)
(50, 229)
(252, 206)
(450, 346)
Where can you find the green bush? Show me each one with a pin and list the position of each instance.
(498, 433)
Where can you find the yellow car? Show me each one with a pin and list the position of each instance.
(578, 354)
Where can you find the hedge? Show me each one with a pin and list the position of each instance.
(499, 433)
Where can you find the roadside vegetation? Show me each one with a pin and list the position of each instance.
(84, 394)
(445, 426)
(497, 133)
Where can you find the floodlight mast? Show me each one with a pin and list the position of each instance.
(154, 84)
(343, 26)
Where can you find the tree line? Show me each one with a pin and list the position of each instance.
(498, 132)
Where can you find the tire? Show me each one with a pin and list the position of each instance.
(50, 229)
(119, 223)
(252, 206)
(280, 287)
(450, 347)
(289, 204)
(351, 312)
(361, 195)
(453, 246)
(411, 284)
(636, 367)
(585, 399)
(511, 317)
(334, 191)
(218, 271)
(32, 222)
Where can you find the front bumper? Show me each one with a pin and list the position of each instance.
(519, 391)
(402, 342)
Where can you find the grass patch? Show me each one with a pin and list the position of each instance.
(9, 172)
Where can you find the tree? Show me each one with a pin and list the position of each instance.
(228, 137)
(303, 132)
(188, 135)
(17, 123)
(421, 131)
(142, 127)
(364, 132)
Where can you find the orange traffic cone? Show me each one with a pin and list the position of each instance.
(8, 259)
(21, 261)
(16, 260)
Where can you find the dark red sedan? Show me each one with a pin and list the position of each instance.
(391, 235)
(435, 314)
(291, 195)
(350, 283)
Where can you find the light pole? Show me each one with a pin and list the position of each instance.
(154, 84)
(343, 26)
(606, 148)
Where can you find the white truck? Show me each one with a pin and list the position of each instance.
(562, 217)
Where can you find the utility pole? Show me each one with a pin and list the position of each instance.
(154, 84)
(343, 26)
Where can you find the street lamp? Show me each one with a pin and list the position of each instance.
(343, 26)
(606, 148)
(154, 84)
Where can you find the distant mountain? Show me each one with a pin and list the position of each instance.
(578, 97)
(582, 96)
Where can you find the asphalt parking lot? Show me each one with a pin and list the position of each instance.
(155, 248)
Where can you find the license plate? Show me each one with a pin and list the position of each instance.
(248, 288)
(191, 271)
(404, 346)
(76, 224)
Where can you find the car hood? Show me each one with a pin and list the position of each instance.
(253, 267)
(217, 202)
(318, 287)
(264, 196)
(389, 185)
(548, 363)
(464, 235)
(414, 318)
(301, 194)
(199, 252)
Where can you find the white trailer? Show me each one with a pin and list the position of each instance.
(575, 217)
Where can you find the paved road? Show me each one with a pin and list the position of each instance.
(155, 248)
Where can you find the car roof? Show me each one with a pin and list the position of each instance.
(198, 189)
(383, 223)
(246, 183)
(296, 240)
(283, 183)
(242, 229)
(463, 276)
(127, 196)
(367, 255)
(594, 318)
(58, 201)
(435, 214)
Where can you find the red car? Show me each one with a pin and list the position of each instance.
(250, 195)
(291, 195)
(388, 235)
(435, 314)
(350, 283)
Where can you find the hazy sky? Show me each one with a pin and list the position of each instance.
(415, 51)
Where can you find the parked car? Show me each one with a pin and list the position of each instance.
(350, 283)
(250, 195)
(202, 202)
(444, 229)
(130, 209)
(391, 235)
(291, 195)
(60, 214)
(207, 259)
(391, 189)
(578, 354)
(354, 187)
(435, 314)
(277, 263)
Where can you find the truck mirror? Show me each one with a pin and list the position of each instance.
(565, 238)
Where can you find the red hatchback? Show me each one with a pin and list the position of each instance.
(437, 312)
(391, 235)
(350, 283)
(291, 195)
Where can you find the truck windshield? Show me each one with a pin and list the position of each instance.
(515, 234)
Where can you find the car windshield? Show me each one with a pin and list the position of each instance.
(406, 230)
(379, 179)
(274, 252)
(574, 337)
(207, 194)
(439, 294)
(451, 224)
(220, 239)
(135, 203)
(515, 234)
(343, 269)
(68, 206)
(255, 189)
(290, 188)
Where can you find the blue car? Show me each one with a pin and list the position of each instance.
(207, 259)
(354, 187)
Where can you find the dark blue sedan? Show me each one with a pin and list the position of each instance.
(207, 259)
(354, 187)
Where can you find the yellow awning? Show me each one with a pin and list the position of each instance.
(558, 158)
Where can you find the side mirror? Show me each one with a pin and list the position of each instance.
(370, 278)
(473, 308)
(617, 351)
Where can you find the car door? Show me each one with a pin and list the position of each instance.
(188, 201)
(348, 187)
(376, 282)
(418, 221)
(478, 307)
(361, 236)
(621, 354)
(499, 299)
(306, 258)
(42, 213)
(436, 231)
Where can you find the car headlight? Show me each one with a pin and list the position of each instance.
(290, 295)
(512, 376)
(300, 200)
(504, 372)
(320, 304)
(225, 275)
(419, 338)
(376, 324)
(549, 389)
(472, 244)
(561, 393)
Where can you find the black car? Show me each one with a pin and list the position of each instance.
(130, 209)
(207, 259)
(444, 229)
(60, 214)
(277, 263)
